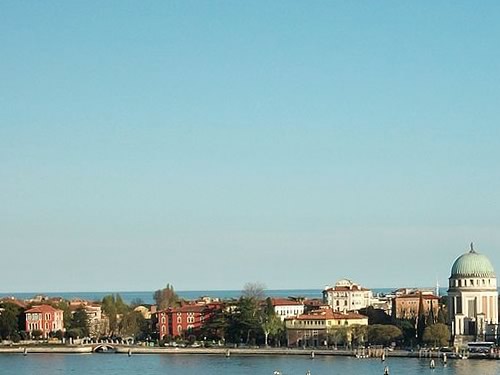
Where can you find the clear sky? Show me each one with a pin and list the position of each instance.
(212, 143)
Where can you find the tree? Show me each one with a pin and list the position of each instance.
(166, 297)
(358, 334)
(9, 318)
(244, 321)
(375, 316)
(383, 334)
(67, 316)
(80, 322)
(216, 326)
(254, 291)
(133, 324)
(437, 335)
(421, 324)
(431, 319)
(114, 308)
(407, 326)
(337, 335)
(442, 316)
(271, 324)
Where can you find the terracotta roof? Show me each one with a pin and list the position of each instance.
(328, 314)
(285, 302)
(14, 301)
(192, 308)
(417, 296)
(42, 309)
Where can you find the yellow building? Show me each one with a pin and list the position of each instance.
(312, 329)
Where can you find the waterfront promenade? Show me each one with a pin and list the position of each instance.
(228, 352)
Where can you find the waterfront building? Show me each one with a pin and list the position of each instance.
(347, 295)
(286, 308)
(45, 319)
(312, 329)
(473, 299)
(98, 322)
(405, 306)
(183, 320)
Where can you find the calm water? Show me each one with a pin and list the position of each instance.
(147, 297)
(110, 364)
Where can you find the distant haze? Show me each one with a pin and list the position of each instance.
(208, 144)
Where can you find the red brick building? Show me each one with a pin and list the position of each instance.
(406, 306)
(184, 320)
(44, 318)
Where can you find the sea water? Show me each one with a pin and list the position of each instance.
(180, 364)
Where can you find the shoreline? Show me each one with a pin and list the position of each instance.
(226, 352)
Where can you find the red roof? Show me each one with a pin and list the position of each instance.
(42, 309)
(325, 314)
(191, 307)
(285, 302)
(417, 296)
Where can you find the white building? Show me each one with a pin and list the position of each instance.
(473, 299)
(285, 308)
(347, 296)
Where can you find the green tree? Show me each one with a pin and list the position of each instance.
(246, 318)
(437, 335)
(270, 323)
(421, 320)
(216, 326)
(9, 320)
(337, 335)
(442, 316)
(375, 316)
(431, 319)
(166, 297)
(114, 308)
(121, 307)
(133, 324)
(244, 321)
(407, 326)
(80, 322)
(383, 334)
(67, 316)
(358, 334)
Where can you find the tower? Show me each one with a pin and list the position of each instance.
(473, 298)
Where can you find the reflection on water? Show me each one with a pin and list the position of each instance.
(95, 364)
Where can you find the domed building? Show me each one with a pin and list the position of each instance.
(473, 298)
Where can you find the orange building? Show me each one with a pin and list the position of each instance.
(44, 318)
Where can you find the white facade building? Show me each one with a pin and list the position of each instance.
(473, 299)
(285, 308)
(347, 296)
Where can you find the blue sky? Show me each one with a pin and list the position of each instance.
(211, 143)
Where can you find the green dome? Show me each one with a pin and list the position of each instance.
(472, 264)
